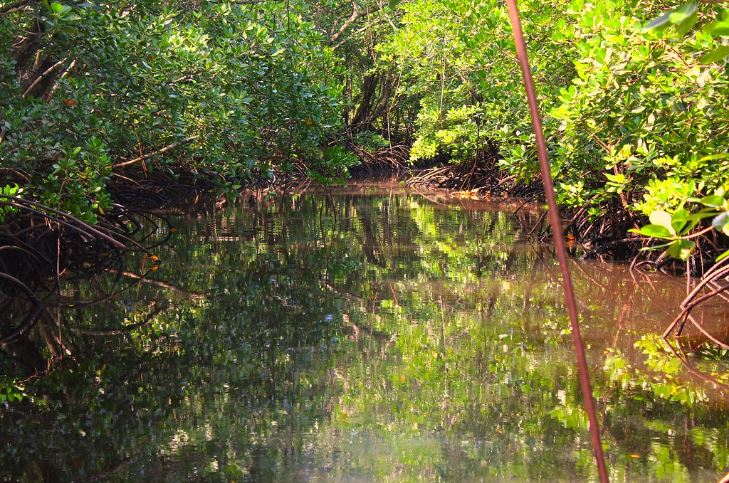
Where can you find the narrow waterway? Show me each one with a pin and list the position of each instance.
(370, 334)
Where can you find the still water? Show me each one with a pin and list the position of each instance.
(368, 334)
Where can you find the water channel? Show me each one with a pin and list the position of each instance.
(370, 334)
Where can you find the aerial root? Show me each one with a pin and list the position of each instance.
(40, 247)
(714, 284)
(483, 178)
(390, 158)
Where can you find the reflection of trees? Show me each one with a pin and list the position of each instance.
(484, 356)
(414, 339)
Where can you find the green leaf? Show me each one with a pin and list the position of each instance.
(714, 157)
(681, 249)
(722, 256)
(679, 220)
(655, 231)
(715, 55)
(615, 178)
(713, 201)
(59, 9)
(684, 18)
(10, 190)
(718, 29)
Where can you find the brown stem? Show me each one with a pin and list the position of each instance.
(559, 245)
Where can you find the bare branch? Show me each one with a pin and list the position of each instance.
(356, 14)
(165, 149)
(12, 7)
(66, 71)
(43, 75)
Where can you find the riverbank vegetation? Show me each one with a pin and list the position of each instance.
(146, 340)
(106, 102)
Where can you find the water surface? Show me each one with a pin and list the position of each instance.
(370, 335)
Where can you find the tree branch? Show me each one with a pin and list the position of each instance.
(356, 14)
(43, 75)
(12, 7)
(165, 149)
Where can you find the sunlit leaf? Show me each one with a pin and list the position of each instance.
(655, 231)
(679, 220)
(662, 218)
(718, 29)
(713, 201)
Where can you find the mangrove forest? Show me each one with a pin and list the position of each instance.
(364, 240)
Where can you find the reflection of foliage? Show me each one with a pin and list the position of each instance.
(663, 373)
(665, 386)
(662, 384)
(345, 337)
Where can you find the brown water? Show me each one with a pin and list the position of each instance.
(367, 334)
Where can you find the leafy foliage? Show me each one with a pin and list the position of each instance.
(634, 94)
(238, 91)
(636, 114)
